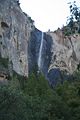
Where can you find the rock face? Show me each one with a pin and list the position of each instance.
(65, 56)
(60, 54)
(15, 29)
(34, 47)
(20, 42)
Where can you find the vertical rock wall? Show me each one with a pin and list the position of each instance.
(20, 42)
(15, 30)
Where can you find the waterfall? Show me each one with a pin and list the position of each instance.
(40, 52)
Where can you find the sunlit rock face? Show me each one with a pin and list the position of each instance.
(65, 56)
(15, 29)
(60, 54)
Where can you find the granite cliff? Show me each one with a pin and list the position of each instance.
(15, 29)
(65, 59)
(20, 42)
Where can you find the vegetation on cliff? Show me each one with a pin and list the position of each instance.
(73, 21)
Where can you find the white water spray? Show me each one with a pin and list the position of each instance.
(40, 52)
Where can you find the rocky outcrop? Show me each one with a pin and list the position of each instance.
(65, 56)
(20, 42)
(15, 30)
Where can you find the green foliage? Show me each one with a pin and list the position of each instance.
(12, 104)
(4, 62)
(45, 104)
(30, 19)
(75, 12)
(37, 101)
(37, 85)
(21, 79)
(70, 94)
(73, 22)
(18, 2)
(74, 17)
(66, 31)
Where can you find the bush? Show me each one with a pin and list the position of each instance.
(12, 104)
(37, 101)
(4, 62)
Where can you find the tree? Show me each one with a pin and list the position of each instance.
(74, 17)
(12, 104)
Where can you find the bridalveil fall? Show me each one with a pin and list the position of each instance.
(40, 52)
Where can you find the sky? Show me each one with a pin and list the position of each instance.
(47, 14)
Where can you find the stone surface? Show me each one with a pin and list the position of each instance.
(65, 55)
(15, 30)
(65, 51)
(20, 42)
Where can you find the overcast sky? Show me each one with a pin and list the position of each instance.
(47, 14)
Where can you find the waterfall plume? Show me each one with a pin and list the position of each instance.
(40, 52)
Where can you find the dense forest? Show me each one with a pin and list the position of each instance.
(36, 100)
